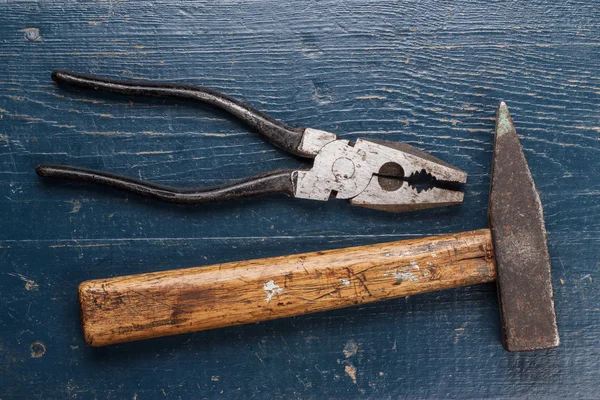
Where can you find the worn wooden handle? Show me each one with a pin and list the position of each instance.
(144, 306)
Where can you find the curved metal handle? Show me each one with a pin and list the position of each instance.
(276, 132)
(269, 183)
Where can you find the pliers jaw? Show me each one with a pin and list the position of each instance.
(381, 175)
(394, 187)
(406, 198)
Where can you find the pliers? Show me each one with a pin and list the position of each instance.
(376, 174)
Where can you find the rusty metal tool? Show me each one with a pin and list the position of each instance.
(369, 173)
(513, 252)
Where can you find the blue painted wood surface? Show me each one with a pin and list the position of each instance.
(427, 73)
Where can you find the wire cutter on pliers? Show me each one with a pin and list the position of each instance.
(376, 174)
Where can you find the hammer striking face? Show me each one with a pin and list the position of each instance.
(519, 236)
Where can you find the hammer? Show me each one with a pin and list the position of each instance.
(513, 252)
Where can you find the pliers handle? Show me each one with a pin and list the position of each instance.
(276, 132)
(276, 182)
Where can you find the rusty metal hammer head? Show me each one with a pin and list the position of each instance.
(519, 237)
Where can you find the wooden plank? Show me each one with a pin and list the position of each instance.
(427, 73)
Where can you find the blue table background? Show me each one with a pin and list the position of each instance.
(428, 73)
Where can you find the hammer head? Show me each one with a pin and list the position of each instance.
(519, 237)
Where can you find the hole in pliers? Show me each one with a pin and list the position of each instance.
(390, 176)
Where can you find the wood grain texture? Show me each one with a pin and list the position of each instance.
(429, 73)
(144, 306)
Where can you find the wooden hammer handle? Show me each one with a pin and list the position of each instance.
(127, 308)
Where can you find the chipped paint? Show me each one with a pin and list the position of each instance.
(76, 206)
(143, 153)
(32, 33)
(58, 246)
(350, 349)
(404, 276)
(271, 289)
(345, 282)
(351, 372)
(38, 349)
(503, 120)
(372, 97)
(29, 284)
